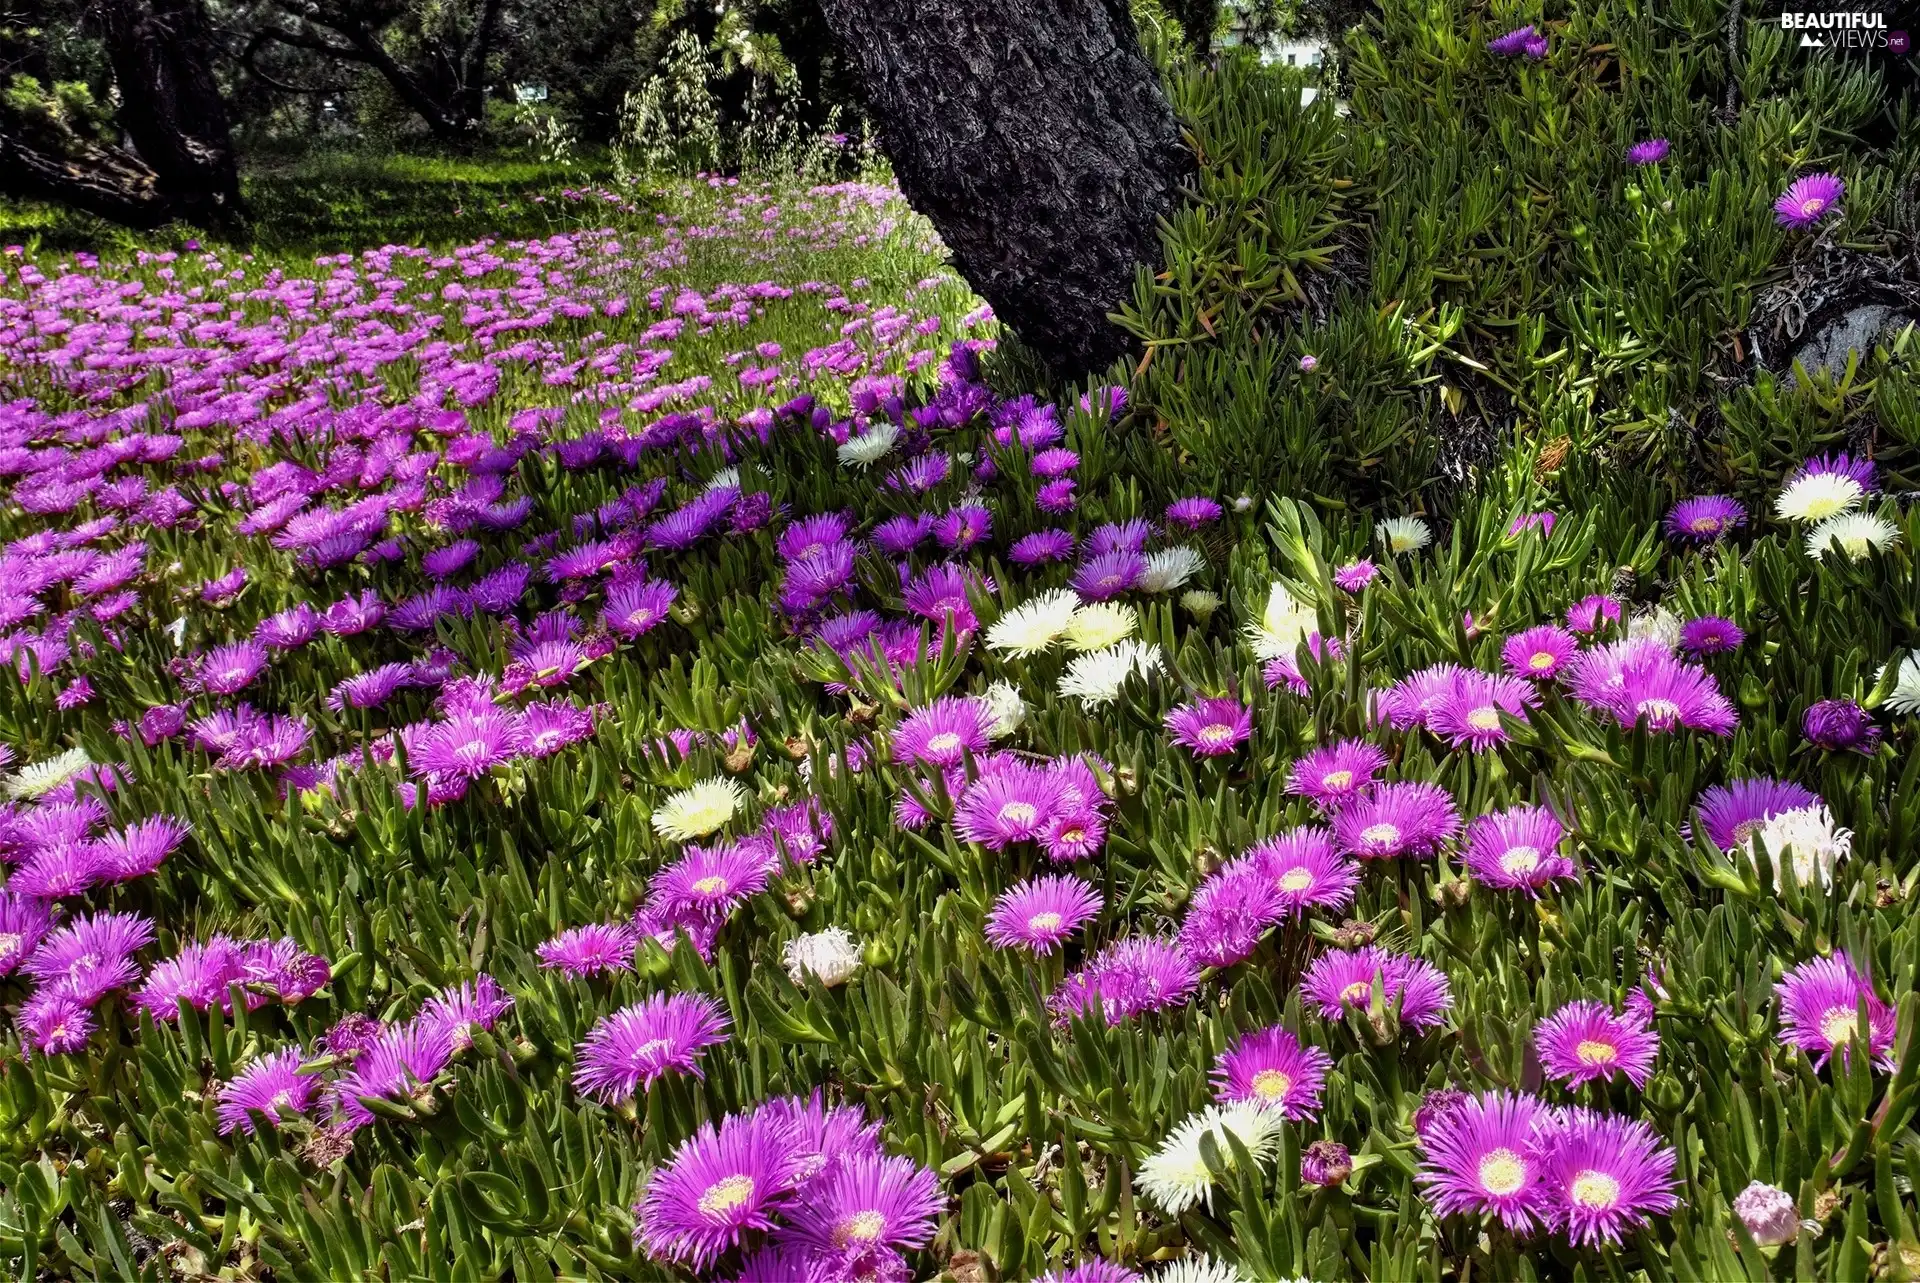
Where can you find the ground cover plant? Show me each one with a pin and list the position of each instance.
(652, 749)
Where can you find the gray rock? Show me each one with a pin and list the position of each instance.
(1855, 330)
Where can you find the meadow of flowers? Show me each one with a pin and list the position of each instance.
(638, 753)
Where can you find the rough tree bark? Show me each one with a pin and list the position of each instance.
(1035, 136)
(106, 182)
(171, 106)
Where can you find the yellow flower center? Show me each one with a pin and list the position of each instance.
(1296, 880)
(1502, 1172)
(861, 1227)
(1659, 712)
(1595, 1189)
(1357, 992)
(646, 1051)
(712, 884)
(1815, 205)
(1271, 1084)
(1824, 506)
(1216, 734)
(1044, 922)
(1484, 719)
(943, 743)
(1022, 813)
(1337, 780)
(1520, 859)
(1592, 1051)
(1541, 661)
(727, 1196)
(1380, 834)
(1706, 525)
(1838, 1024)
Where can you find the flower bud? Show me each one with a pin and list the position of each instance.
(1325, 1163)
(1768, 1213)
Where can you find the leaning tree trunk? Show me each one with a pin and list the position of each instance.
(1035, 136)
(171, 106)
(103, 181)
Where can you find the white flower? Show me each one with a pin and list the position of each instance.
(1243, 504)
(695, 812)
(1819, 496)
(1170, 567)
(1404, 534)
(1035, 624)
(1006, 708)
(1657, 625)
(1905, 695)
(831, 955)
(177, 630)
(1198, 1269)
(1284, 623)
(44, 777)
(1176, 1176)
(725, 479)
(1200, 603)
(1097, 678)
(1809, 836)
(1853, 533)
(862, 451)
(1103, 624)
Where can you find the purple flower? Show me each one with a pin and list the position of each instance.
(227, 669)
(1325, 1163)
(199, 974)
(1410, 701)
(1012, 804)
(1334, 775)
(1590, 614)
(1053, 463)
(898, 536)
(445, 563)
(626, 1051)
(371, 688)
(499, 592)
(1074, 834)
(1808, 200)
(868, 1204)
(1483, 1158)
(1356, 575)
(718, 1185)
(55, 1022)
(467, 745)
(1270, 1067)
(940, 594)
(709, 882)
(1706, 518)
(1640, 683)
(1544, 522)
(1041, 912)
(459, 1010)
(1469, 716)
(92, 956)
(1412, 818)
(351, 615)
(290, 629)
(1229, 913)
(1838, 725)
(1056, 496)
(1820, 1004)
(1601, 1175)
(1041, 546)
(272, 1086)
(1193, 512)
(1537, 654)
(280, 968)
(1710, 635)
(1586, 1040)
(826, 1138)
(943, 733)
(1128, 977)
(599, 948)
(963, 527)
(397, 1063)
(1769, 1213)
(1517, 849)
(1210, 727)
(24, 923)
(1120, 536)
(1437, 1105)
(1093, 1271)
(1733, 813)
(1861, 471)
(1341, 977)
(1305, 871)
(1285, 669)
(1649, 152)
(1106, 575)
(1520, 41)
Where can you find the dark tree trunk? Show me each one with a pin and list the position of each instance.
(105, 182)
(452, 103)
(171, 106)
(1035, 136)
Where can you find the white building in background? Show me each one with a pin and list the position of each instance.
(1292, 53)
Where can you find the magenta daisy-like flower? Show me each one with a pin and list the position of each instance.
(272, 1087)
(460, 1009)
(1650, 151)
(1271, 1068)
(1483, 1158)
(91, 956)
(1518, 849)
(943, 733)
(1640, 682)
(1094, 1271)
(1820, 1009)
(1710, 635)
(1333, 776)
(1284, 670)
(1538, 654)
(718, 1185)
(1520, 42)
(1041, 912)
(1041, 546)
(199, 973)
(1355, 575)
(1229, 913)
(1601, 1176)
(709, 882)
(1734, 812)
(24, 923)
(1469, 717)
(1342, 977)
(1076, 833)
(1306, 872)
(138, 849)
(1586, 1040)
(870, 1203)
(825, 1137)
(626, 1051)
(1106, 575)
(1808, 200)
(226, 669)
(1705, 518)
(597, 949)
(467, 745)
(1210, 727)
(1014, 803)
(55, 1022)
(1120, 536)
(1840, 725)
(635, 608)
(1128, 977)
(1410, 701)
(1193, 512)
(1406, 818)
(397, 1062)
(1591, 614)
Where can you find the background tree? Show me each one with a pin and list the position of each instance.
(1036, 137)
